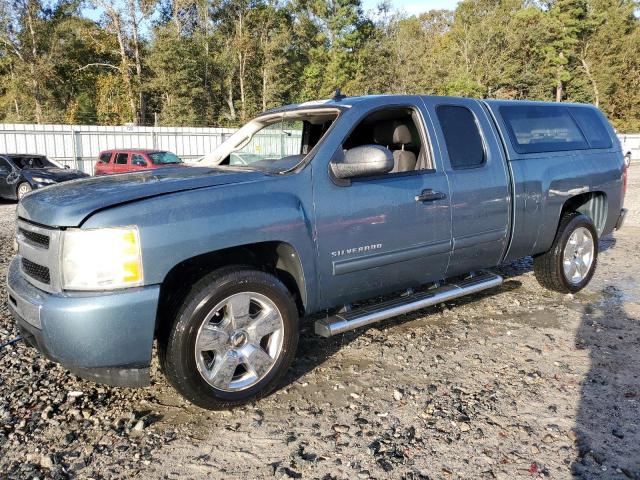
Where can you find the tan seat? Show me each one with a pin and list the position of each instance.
(393, 135)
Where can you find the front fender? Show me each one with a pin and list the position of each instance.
(179, 226)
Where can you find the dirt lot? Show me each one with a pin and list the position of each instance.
(517, 382)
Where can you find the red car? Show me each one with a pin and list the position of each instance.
(133, 160)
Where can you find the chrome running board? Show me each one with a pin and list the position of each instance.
(366, 315)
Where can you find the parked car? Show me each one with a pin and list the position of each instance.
(133, 160)
(411, 197)
(22, 173)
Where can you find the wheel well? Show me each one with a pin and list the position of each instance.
(591, 204)
(277, 258)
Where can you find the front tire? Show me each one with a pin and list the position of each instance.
(23, 189)
(234, 338)
(571, 262)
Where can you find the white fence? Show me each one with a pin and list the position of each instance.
(78, 145)
(631, 143)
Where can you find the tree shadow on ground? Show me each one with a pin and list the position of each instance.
(608, 418)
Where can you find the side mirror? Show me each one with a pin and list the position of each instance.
(363, 161)
(67, 167)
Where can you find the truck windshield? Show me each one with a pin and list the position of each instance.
(273, 143)
(164, 158)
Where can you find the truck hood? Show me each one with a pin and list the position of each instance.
(69, 204)
(53, 173)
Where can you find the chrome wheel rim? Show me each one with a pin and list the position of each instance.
(239, 341)
(578, 255)
(23, 190)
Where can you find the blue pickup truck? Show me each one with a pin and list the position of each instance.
(335, 204)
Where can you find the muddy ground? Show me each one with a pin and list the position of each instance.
(517, 382)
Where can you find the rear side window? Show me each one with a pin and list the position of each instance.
(105, 157)
(592, 127)
(461, 136)
(535, 129)
(121, 159)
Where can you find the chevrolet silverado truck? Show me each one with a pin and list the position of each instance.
(346, 212)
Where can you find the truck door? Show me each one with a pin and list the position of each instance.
(479, 181)
(120, 163)
(387, 232)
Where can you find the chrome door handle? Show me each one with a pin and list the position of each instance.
(428, 195)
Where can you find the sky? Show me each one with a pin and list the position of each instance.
(414, 7)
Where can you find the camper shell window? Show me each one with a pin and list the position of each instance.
(536, 129)
(592, 125)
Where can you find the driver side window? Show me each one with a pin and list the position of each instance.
(398, 130)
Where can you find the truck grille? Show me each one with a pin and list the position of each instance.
(35, 238)
(38, 250)
(38, 272)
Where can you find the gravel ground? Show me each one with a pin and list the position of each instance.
(517, 382)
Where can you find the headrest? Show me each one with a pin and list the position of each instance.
(401, 135)
(391, 133)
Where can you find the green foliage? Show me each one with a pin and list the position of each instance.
(112, 107)
(176, 78)
(220, 62)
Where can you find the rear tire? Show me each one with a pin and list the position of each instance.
(233, 339)
(571, 262)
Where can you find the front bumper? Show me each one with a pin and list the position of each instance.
(621, 218)
(104, 337)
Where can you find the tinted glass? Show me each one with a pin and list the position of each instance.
(592, 127)
(121, 158)
(5, 167)
(32, 162)
(536, 129)
(105, 157)
(461, 136)
(164, 158)
(44, 162)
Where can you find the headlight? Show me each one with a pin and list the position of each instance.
(101, 259)
(46, 181)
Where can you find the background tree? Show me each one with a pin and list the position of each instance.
(220, 62)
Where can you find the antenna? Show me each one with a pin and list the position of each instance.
(338, 95)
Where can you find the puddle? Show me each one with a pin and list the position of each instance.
(627, 291)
